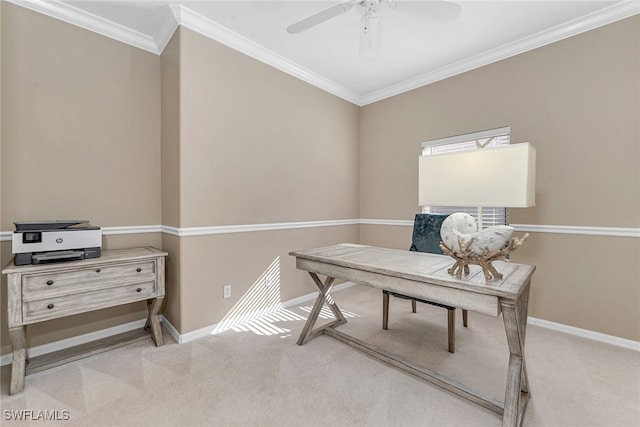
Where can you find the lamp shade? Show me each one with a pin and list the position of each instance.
(491, 177)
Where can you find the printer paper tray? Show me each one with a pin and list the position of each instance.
(44, 257)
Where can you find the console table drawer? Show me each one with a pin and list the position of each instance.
(51, 308)
(87, 276)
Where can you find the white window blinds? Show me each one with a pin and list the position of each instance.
(471, 141)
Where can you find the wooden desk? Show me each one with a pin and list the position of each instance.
(425, 276)
(37, 293)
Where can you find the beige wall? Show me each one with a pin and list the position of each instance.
(170, 172)
(577, 102)
(170, 137)
(81, 125)
(240, 260)
(80, 139)
(590, 282)
(256, 146)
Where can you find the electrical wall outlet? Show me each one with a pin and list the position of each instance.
(227, 291)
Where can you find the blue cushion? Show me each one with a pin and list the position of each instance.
(426, 233)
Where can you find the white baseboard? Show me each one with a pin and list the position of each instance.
(77, 340)
(208, 330)
(170, 328)
(585, 333)
(199, 333)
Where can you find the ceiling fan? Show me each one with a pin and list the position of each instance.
(432, 9)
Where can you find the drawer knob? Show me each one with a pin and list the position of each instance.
(139, 290)
(49, 282)
(97, 270)
(50, 306)
(138, 269)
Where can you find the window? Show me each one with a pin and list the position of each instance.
(471, 141)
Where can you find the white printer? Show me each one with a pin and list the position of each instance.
(39, 242)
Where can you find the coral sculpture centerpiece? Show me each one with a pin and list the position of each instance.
(462, 241)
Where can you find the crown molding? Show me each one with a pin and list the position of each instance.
(574, 27)
(182, 16)
(167, 30)
(204, 26)
(80, 18)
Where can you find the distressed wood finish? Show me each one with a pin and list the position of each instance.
(308, 333)
(153, 320)
(83, 351)
(37, 293)
(414, 287)
(425, 276)
(19, 364)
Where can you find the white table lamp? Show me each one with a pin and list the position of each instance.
(490, 177)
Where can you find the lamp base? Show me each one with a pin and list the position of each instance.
(466, 257)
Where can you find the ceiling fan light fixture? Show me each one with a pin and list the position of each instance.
(372, 15)
(370, 11)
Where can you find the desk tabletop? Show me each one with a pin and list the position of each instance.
(421, 267)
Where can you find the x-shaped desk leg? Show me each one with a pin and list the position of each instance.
(308, 333)
(517, 390)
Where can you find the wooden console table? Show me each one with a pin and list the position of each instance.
(425, 276)
(37, 293)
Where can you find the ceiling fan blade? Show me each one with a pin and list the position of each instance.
(320, 17)
(432, 9)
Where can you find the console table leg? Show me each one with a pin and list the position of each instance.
(153, 321)
(19, 364)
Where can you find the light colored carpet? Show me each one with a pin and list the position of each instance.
(256, 375)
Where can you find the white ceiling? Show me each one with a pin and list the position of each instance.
(411, 50)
